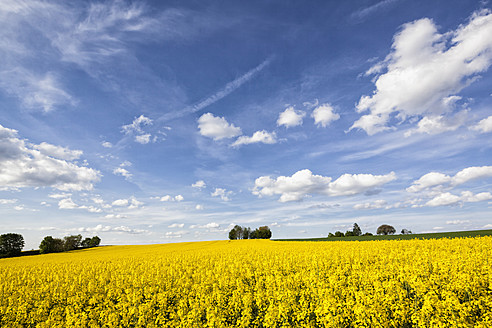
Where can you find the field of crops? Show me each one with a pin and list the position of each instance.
(254, 283)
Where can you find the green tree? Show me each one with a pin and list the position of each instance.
(349, 233)
(357, 230)
(330, 235)
(385, 229)
(95, 241)
(51, 245)
(339, 234)
(72, 242)
(11, 244)
(406, 232)
(236, 232)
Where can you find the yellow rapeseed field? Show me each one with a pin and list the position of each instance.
(254, 283)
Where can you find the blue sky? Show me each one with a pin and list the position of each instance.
(167, 121)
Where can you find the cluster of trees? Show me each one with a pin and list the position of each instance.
(11, 244)
(68, 243)
(383, 229)
(239, 232)
(356, 231)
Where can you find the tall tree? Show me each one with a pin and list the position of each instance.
(357, 231)
(11, 244)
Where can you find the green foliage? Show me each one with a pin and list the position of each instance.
(406, 232)
(339, 234)
(239, 232)
(357, 231)
(51, 245)
(330, 235)
(386, 229)
(68, 243)
(72, 242)
(11, 244)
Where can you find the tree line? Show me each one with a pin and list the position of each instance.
(68, 243)
(239, 232)
(11, 244)
(384, 229)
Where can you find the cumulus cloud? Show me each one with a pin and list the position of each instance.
(176, 234)
(169, 198)
(176, 225)
(484, 126)
(426, 70)
(67, 204)
(436, 179)
(107, 144)
(222, 193)
(211, 225)
(22, 165)
(58, 152)
(199, 207)
(200, 184)
(217, 128)
(258, 137)
(304, 183)
(123, 172)
(136, 128)
(439, 124)
(323, 115)
(120, 202)
(447, 198)
(290, 117)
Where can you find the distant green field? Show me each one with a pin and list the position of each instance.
(456, 234)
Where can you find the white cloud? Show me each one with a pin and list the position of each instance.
(200, 184)
(123, 172)
(436, 179)
(222, 193)
(380, 203)
(258, 137)
(425, 70)
(21, 165)
(324, 114)
(107, 144)
(8, 201)
(199, 207)
(113, 216)
(122, 229)
(217, 127)
(439, 124)
(447, 198)
(36, 91)
(134, 203)
(67, 204)
(457, 221)
(176, 225)
(58, 152)
(484, 126)
(303, 183)
(143, 138)
(290, 117)
(169, 198)
(211, 225)
(120, 202)
(136, 128)
(176, 234)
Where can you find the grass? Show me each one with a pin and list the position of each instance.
(436, 235)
